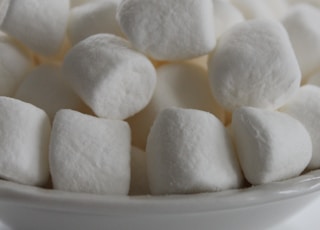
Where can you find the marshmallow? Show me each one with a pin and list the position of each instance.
(301, 23)
(254, 65)
(40, 25)
(181, 85)
(226, 16)
(305, 107)
(271, 146)
(189, 151)
(24, 141)
(14, 63)
(93, 18)
(169, 30)
(253, 8)
(45, 88)
(89, 154)
(112, 79)
(139, 181)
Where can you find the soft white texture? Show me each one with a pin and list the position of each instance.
(89, 154)
(305, 107)
(226, 15)
(24, 141)
(169, 30)
(93, 18)
(14, 64)
(139, 182)
(302, 25)
(254, 8)
(189, 151)
(182, 85)
(45, 88)
(39, 24)
(254, 65)
(271, 146)
(112, 79)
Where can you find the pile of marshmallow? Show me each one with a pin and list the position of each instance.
(158, 96)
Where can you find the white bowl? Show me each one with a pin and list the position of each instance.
(29, 208)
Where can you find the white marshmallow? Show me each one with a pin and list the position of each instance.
(112, 79)
(14, 64)
(24, 141)
(139, 182)
(253, 8)
(93, 18)
(226, 16)
(89, 154)
(45, 88)
(169, 30)
(271, 146)
(40, 25)
(305, 107)
(189, 151)
(181, 85)
(254, 65)
(302, 25)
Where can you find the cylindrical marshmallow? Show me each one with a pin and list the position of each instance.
(93, 18)
(112, 79)
(181, 85)
(14, 64)
(271, 146)
(189, 151)
(305, 107)
(254, 65)
(169, 30)
(40, 25)
(302, 25)
(89, 154)
(24, 141)
(139, 181)
(45, 88)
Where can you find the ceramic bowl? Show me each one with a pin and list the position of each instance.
(29, 208)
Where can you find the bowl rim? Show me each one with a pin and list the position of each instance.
(55, 200)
